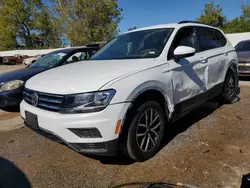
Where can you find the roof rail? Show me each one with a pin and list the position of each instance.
(187, 21)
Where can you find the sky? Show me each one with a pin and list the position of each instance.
(142, 13)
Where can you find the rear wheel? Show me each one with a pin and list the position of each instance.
(229, 92)
(145, 132)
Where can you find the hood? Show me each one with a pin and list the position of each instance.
(20, 74)
(84, 76)
(244, 56)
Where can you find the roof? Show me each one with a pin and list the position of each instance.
(171, 25)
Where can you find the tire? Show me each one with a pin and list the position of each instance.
(12, 62)
(229, 92)
(138, 131)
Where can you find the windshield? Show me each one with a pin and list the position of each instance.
(138, 44)
(50, 60)
(243, 46)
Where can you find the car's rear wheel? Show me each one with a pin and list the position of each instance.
(145, 132)
(230, 87)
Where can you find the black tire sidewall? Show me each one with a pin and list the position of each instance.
(227, 99)
(132, 147)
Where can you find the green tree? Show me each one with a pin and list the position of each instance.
(87, 21)
(28, 23)
(212, 15)
(48, 28)
(132, 28)
(246, 11)
(239, 24)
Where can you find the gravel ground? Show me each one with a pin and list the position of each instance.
(208, 148)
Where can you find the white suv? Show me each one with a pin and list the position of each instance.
(132, 88)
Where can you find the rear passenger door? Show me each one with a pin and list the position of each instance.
(212, 54)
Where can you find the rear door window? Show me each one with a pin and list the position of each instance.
(208, 39)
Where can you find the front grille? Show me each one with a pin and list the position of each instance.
(51, 102)
(244, 68)
(244, 62)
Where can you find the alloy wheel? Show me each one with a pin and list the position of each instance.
(230, 85)
(148, 130)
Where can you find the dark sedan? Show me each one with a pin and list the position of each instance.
(12, 83)
(243, 52)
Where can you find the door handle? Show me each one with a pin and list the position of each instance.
(225, 53)
(203, 60)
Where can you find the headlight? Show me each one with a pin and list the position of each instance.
(11, 85)
(87, 102)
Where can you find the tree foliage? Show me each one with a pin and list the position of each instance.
(212, 15)
(88, 21)
(27, 23)
(34, 24)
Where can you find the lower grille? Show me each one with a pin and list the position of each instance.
(87, 133)
(51, 102)
(89, 146)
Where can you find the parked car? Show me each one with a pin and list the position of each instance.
(243, 52)
(13, 60)
(11, 83)
(1, 60)
(29, 61)
(132, 88)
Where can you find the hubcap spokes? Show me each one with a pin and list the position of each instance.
(148, 129)
(230, 87)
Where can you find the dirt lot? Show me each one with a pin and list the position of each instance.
(7, 68)
(208, 148)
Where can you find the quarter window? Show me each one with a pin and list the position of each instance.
(220, 37)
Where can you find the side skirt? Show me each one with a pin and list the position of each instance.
(183, 108)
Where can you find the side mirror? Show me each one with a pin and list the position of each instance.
(183, 51)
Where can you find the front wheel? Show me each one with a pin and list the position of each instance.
(145, 132)
(230, 87)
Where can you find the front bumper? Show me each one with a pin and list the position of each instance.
(11, 98)
(58, 127)
(244, 69)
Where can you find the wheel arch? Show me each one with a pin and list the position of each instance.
(233, 66)
(154, 90)
(151, 90)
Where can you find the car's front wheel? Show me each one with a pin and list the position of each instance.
(145, 132)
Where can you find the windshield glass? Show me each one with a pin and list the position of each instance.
(243, 46)
(50, 60)
(138, 44)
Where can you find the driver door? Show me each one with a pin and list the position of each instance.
(188, 74)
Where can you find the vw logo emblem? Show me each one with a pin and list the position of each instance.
(34, 99)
